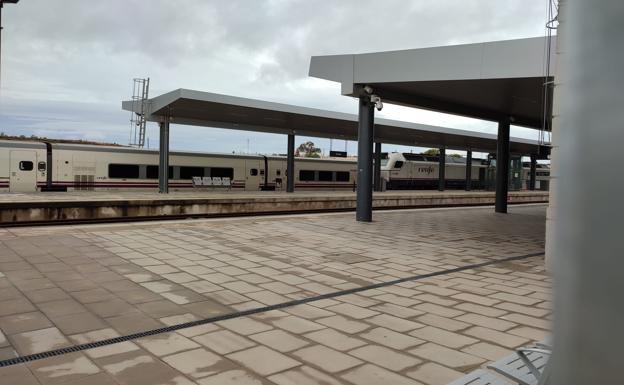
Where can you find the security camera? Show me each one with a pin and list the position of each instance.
(377, 100)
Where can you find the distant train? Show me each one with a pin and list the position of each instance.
(28, 166)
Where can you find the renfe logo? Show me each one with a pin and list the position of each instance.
(426, 170)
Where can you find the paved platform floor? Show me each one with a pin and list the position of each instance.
(68, 285)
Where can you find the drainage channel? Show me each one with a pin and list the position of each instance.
(244, 313)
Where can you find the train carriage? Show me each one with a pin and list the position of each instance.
(27, 166)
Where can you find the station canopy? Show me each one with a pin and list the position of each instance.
(189, 107)
(493, 80)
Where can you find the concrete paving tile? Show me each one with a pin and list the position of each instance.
(431, 373)
(103, 351)
(166, 343)
(384, 357)
(233, 377)
(24, 322)
(528, 320)
(343, 324)
(38, 341)
(183, 297)
(394, 323)
(159, 309)
(61, 308)
(223, 341)
(78, 323)
(352, 311)
(296, 325)
(101, 378)
(487, 311)
(191, 331)
(263, 360)
(18, 374)
(442, 322)
(326, 359)
(244, 326)
(335, 339)
(391, 338)
(92, 295)
(374, 375)
(198, 363)
(206, 309)
(499, 338)
(530, 333)
(139, 368)
(447, 357)
(442, 337)
(488, 351)
(279, 340)
(304, 375)
(110, 308)
(62, 369)
(7, 353)
(488, 322)
(132, 321)
(438, 310)
(308, 312)
(399, 311)
(519, 299)
(15, 306)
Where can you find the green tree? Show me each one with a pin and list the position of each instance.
(308, 150)
(432, 151)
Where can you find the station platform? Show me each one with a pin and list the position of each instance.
(418, 297)
(77, 206)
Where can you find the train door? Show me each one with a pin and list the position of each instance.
(252, 179)
(23, 177)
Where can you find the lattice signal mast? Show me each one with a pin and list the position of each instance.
(140, 91)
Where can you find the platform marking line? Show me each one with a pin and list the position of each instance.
(244, 313)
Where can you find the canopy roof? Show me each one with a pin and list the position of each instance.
(197, 108)
(493, 80)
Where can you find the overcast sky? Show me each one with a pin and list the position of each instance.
(67, 64)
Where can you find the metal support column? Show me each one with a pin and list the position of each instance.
(532, 172)
(502, 166)
(163, 164)
(442, 170)
(468, 170)
(290, 164)
(377, 168)
(364, 209)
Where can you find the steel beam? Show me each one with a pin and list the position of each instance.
(532, 172)
(442, 169)
(290, 164)
(163, 163)
(366, 117)
(502, 166)
(468, 170)
(377, 168)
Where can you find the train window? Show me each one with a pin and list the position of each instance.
(398, 164)
(325, 176)
(306, 175)
(26, 165)
(253, 171)
(222, 172)
(342, 176)
(278, 172)
(151, 172)
(261, 172)
(190, 172)
(41, 166)
(127, 171)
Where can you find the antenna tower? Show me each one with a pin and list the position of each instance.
(140, 91)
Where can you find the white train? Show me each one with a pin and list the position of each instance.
(28, 166)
